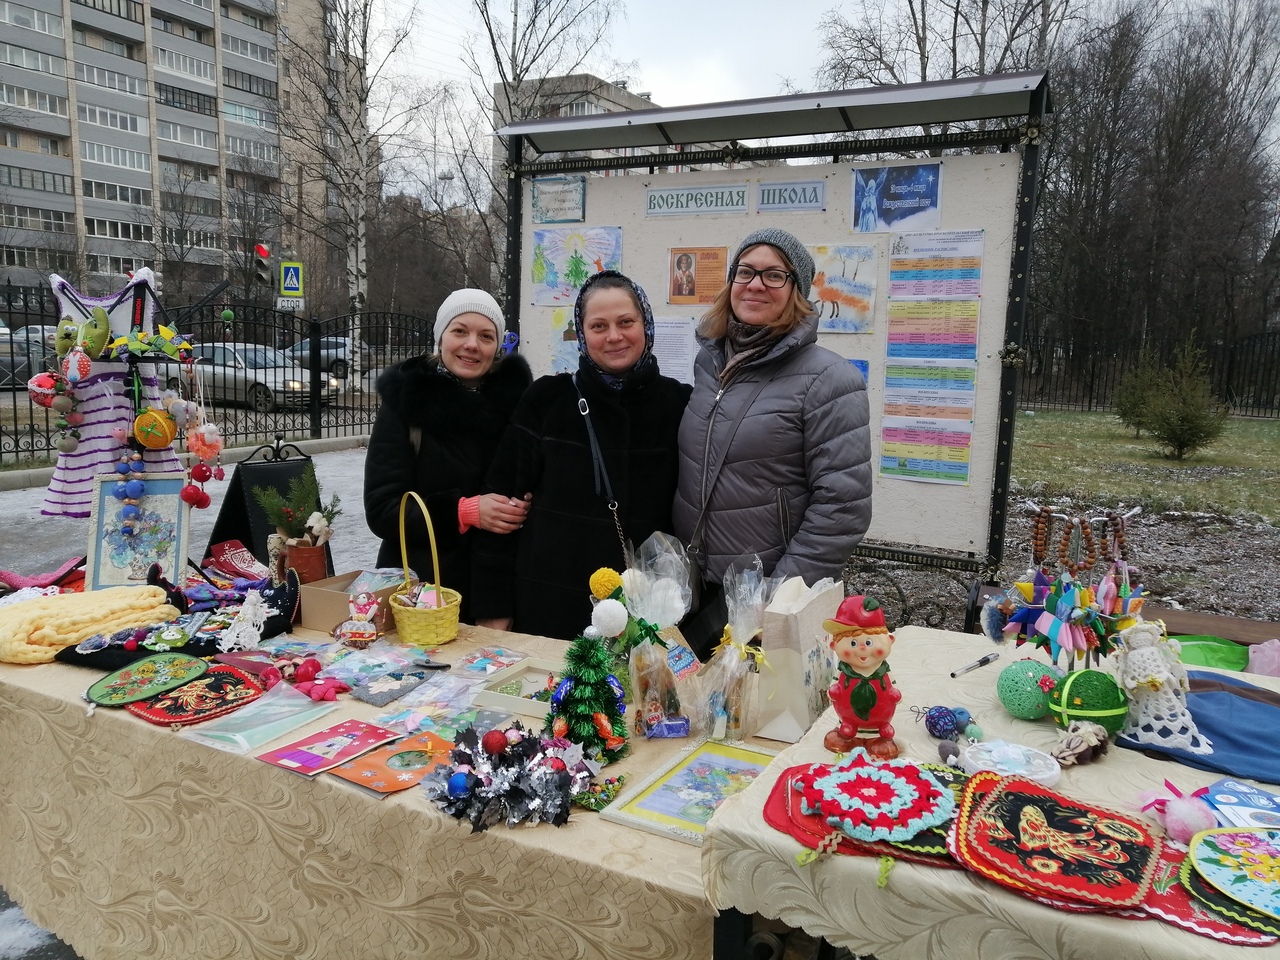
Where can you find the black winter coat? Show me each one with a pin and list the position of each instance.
(460, 433)
(539, 576)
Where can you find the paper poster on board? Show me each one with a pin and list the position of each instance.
(558, 199)
(896, 198)
(561, 259)
(674, 347)
(844, 287)
(564, 341)
(696, 274)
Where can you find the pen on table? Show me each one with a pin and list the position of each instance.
(980, 662)
(431, 664)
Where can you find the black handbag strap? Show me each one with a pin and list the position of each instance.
(598, 467)
(699, 528)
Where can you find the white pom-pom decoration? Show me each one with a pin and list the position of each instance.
(609, 618)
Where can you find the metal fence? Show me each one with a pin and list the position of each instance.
(1062, 374)
(247, 394)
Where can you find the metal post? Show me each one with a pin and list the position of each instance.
(313, 371)
(515, 221)
(1015, 324)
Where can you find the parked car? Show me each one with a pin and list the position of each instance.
(335, 355)
(259, 376)
(35, 332)
(20, 360)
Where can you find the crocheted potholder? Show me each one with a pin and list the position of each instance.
(1027, 837)
(875, 800)
(1218, 904)
(1169, 900)
(221, 690)
(146, 678)
(1242, 863)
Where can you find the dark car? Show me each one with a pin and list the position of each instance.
(335, 355)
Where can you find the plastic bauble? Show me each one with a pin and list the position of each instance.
(555, 763)
(154, 429)
(1089, 695)
(190, 494)
(1021, 688)
(67, 444)
(459, 785)
(228, 316)
(201, 473)
(204, 500)
(76, 365)
(63, 403)
(43, 387)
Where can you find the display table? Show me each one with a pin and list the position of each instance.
(926, 913)
(128, 841)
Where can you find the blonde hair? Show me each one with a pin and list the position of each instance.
(715, 322)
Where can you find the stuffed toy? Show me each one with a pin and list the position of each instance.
(1181, 815)
(326, 689)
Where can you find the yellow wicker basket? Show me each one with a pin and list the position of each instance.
(432, 626)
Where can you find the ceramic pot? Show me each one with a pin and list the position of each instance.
(310, 562)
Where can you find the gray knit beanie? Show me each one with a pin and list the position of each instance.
(792, 249)
(468, 300)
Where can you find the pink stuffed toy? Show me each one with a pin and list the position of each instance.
(291, 670)
(326, 689)
(1182, 816)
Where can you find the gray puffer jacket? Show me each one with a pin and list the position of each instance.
(794, 486)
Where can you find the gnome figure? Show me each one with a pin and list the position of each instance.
(863, 693)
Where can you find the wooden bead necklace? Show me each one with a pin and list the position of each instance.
(1114, 546)
(1041, 529)
(1077, 537)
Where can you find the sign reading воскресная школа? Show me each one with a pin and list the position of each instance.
(696, 201)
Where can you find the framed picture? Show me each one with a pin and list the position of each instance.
(680, 798)
(116, 558)
(512, 689)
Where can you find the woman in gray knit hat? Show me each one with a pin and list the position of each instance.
(775, 445)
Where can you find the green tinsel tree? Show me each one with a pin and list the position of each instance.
(588, 664)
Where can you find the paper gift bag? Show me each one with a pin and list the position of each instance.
(793, 685)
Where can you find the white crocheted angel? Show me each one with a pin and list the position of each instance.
(1149, 668)
(245, 631)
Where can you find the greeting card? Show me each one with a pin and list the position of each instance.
(329, 747)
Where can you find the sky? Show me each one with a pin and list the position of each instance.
(683, 51)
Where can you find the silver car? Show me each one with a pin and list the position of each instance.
(261, 377)
(335, 355)
(20, 360)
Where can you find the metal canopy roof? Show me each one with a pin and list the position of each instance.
(838, 111)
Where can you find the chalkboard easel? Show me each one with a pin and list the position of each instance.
(240, 517)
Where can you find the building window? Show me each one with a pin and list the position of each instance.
(107, 43)
(256, 149)
(173, 171)
(186, 99)
(35, 100)
(114, 156)
(249, 83)
(254, 116)
(181, 63)
(115, 192)
(35, 218)
(117, 229)
(247, 48)
(32, 60)
(33, 179)
(129, 9)
(49, 146)
(180, 133)
(190, 203)
(35, 258)
(98, 263)
(106, 117)
(183, 237)
(581, 108)
(180, 28)
(100, 77)
(21, 15)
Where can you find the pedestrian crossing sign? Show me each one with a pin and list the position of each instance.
(290, 279)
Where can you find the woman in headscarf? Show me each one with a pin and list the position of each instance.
(597, 451)
(436, 432)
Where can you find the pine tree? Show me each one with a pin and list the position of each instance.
(590, 704)
(575, 269)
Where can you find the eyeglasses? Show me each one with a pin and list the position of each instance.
(772, 277)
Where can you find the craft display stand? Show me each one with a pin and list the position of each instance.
(240, 517)
(923, 912)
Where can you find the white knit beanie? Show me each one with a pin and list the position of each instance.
(468, 300)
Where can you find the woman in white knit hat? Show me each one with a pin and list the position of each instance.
(436, 432)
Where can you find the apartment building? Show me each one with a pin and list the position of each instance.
(137, 134)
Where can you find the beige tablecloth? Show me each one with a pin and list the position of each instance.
(128, 841)
(925, 913)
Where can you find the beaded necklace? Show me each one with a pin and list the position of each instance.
(1077, 538)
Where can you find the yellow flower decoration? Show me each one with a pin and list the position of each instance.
(604, 581)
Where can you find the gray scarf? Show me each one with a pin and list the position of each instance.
(744, 342)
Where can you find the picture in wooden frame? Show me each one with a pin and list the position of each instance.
(680, 798)
(159, 534)
(512, 688)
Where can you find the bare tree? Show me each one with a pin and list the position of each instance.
(252, 217)
(514, 59)
(349, 118)
(183, 230)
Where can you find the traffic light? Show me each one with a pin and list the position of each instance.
(262, 263)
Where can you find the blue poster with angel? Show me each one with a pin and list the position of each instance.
(108, 402)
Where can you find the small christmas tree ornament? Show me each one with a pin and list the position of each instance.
(1089, 695)
(1024, 687)
(587, 705)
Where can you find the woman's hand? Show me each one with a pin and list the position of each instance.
(495, 623)
(499, 514)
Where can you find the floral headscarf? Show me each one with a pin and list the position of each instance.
(646, 357)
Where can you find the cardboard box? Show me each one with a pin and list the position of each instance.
(324, 603)
(526, 677)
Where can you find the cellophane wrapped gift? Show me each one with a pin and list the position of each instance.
(726, 680)
(656, 590)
